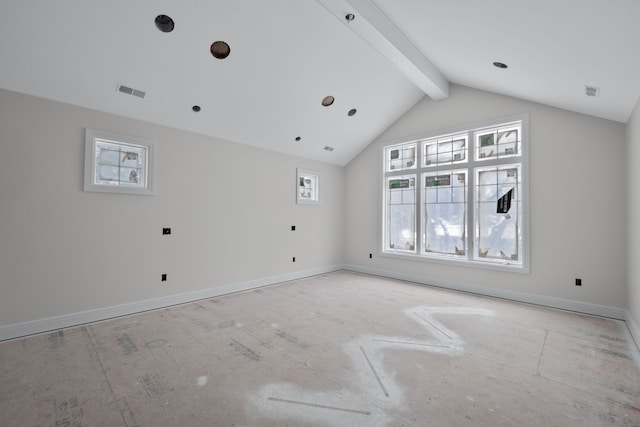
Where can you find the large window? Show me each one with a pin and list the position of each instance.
(459, 196)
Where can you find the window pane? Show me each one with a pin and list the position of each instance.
(307, 187)
(400, 210)
(400, 157)
(498, 142)
(444, 212)
(107, 175)
(447, 150)
(498, 213)
(129, 176)
(109, 157)
(120, 164)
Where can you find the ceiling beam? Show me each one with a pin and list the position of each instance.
(375, 28)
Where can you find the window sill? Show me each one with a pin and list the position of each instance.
(503, 266)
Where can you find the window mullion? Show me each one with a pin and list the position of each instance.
(471, 197)
(418, 198)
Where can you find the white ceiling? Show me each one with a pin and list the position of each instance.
(286, 55)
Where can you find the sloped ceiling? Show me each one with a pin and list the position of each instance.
(287, 55)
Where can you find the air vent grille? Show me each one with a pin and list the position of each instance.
(592, 90)
(131, 91)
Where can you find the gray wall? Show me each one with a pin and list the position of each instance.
(633, 255)
(577, 209)
(230, 207)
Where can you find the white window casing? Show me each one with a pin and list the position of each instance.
(459, 196)
(119, 163)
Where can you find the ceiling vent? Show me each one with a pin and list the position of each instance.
(591, 90)
(131, 91)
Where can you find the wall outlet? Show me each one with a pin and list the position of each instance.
(164, 277)
(293, 228)
(166, 231)
(578, 282)
(370, 255)
(294, 259)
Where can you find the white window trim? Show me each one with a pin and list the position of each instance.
(524, 267)
(90, 184)
(314, 198)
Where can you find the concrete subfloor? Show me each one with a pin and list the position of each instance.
(342, 349)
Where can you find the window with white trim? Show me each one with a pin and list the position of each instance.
(459, 196)
(118, 163)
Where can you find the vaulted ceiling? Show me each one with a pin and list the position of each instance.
(377, 57)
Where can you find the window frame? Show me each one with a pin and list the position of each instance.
(95, 137)
(472, 164)
(314, 177)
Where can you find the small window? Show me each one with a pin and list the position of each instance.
(307, 187)
(118, 163)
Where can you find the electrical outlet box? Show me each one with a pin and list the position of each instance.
(370, 255)
(164, 277)
(578, 282)
(294, 259)
(166, 231)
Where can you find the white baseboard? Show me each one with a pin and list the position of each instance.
(633, 328)
(564, 304)
(17, 330)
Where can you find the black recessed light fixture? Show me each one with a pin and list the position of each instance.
(349, 17)
(327, 101)
(352, 112)
(196, 108)
(164, 23)
(500, 65)
(298, 138)
(220, 49)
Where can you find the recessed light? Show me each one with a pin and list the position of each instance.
(327, 101)
(327, 148)
(352, 112)
(500, 65)
(220, 49)
(196, 108)
(350, 17)
(164, 23)
(298, 138)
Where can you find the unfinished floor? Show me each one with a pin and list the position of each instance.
(342, 349)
